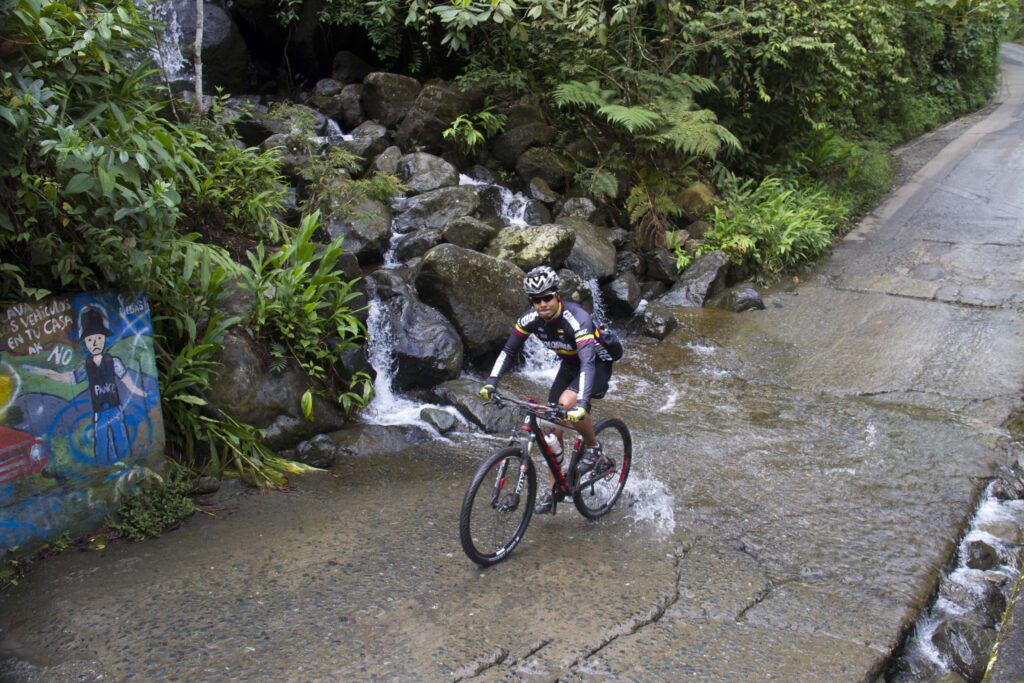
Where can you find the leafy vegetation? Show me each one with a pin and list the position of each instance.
(95, 186)
(658, 93)
(470, 131)
(773, 225)
(153, 508)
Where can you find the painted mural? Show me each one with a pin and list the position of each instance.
(80, 418)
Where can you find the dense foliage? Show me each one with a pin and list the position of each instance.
(100, 189)
(659, 92)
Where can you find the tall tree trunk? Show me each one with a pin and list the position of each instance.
(198, 51)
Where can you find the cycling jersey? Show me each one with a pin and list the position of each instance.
(571, 334)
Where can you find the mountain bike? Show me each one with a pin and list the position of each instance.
(499, 502)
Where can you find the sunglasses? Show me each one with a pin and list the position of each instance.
(542, 299)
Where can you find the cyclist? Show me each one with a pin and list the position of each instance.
(586, 360)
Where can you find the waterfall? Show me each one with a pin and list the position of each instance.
(387, 406)
(167, 52)
(513, 204)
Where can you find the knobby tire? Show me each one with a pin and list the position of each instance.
(595, 493)
(489, 526)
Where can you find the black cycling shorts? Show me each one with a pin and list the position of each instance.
(568, 377)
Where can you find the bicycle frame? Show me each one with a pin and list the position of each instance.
(530, 432)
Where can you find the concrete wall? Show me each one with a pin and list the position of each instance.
(80, 419)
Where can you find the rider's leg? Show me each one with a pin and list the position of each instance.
(585, 426)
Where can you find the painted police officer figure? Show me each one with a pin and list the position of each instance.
(105, 374)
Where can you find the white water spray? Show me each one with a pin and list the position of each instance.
(167, 52)
(387, 406)
(513, 204)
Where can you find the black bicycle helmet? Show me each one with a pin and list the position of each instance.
(540, 280)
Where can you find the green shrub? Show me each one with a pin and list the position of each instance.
(773, 226)
(154, 508)
(303, 302)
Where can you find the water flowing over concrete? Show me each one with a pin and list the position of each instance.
(802, 476)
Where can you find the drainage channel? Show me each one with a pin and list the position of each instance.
(955, 636)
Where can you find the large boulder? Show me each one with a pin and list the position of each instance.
(544, 163)
(424, 124)
(703, 279)
(479, 294)
(527, 247)
(462, 393)
(469, 232)
(578, 207)
(367, 140)
(510, 144)
(327, 96)
(388, 97)
(422, 172)
(435, 209)
(366, 228)
(386, 161)
(660, 265)
(621, 295)
(350, 106)
(416, 243)
(250, 392)
(593, 255)
(427, 347)
(225, 55)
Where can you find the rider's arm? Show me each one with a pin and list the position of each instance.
(512, 346)
(587, 350)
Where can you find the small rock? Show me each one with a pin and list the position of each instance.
(658, 321)
(205, 485)
(542, 192)
(981, 555)
(441, 420)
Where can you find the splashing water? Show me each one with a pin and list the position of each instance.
(513, 204)
(388, 407)
(651, 504)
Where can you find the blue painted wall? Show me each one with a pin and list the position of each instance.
(80, 419)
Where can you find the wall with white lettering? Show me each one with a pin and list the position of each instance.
(80, 418)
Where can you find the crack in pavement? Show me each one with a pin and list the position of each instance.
(633, 625)
(917, 297)
(480, 665)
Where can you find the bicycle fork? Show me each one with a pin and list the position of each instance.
(512, 502)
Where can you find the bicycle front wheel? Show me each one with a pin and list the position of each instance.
(494, 517)
(596, 493)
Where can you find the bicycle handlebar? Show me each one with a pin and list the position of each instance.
(543, 411)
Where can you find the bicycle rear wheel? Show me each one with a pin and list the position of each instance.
(494, 518)
(597, 491)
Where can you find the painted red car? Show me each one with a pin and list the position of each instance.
(21, 454)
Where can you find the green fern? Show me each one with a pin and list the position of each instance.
(577, 94)
(598, 182)
(633, 119)
(692, 131)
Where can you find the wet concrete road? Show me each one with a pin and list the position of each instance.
(801, 476)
